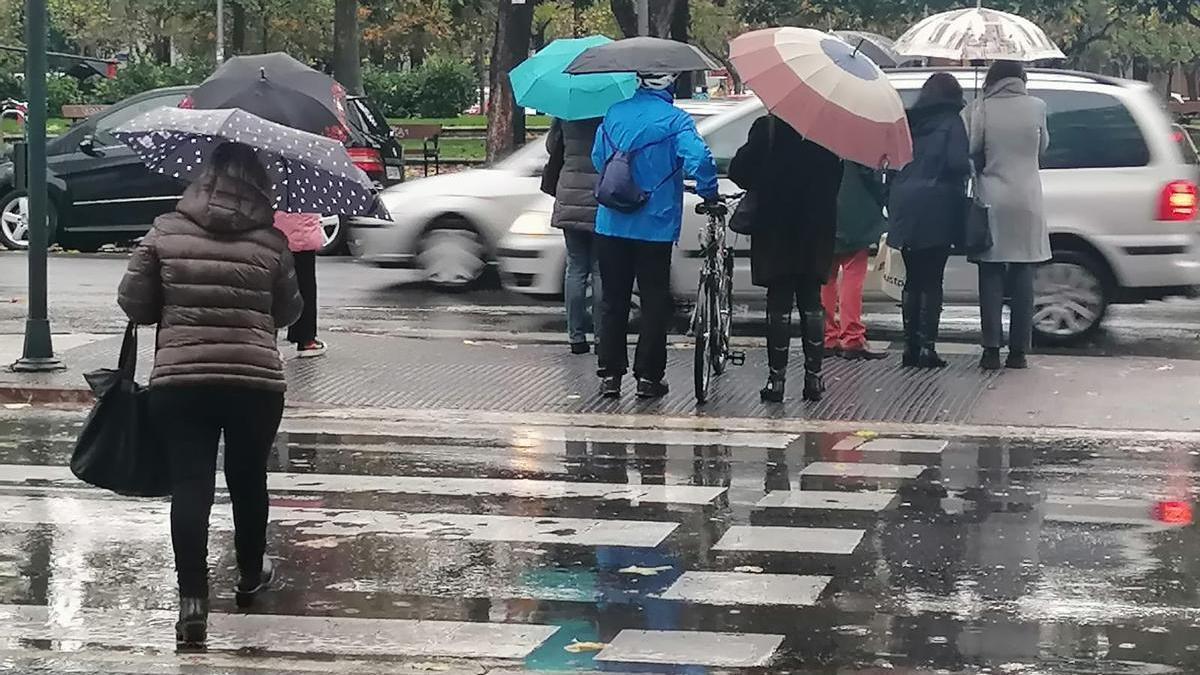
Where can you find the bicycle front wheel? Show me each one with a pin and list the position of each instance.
(702, 364)
(722, 335)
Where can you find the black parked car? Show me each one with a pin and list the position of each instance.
(101, 193)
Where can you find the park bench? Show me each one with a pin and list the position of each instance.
(429, 135)
(76, 112)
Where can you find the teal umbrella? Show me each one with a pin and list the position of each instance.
(541, 84)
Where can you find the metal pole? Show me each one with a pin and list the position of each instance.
(643, 13)
(38, 354)
(220, 31)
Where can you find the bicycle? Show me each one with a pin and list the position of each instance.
(712, 318)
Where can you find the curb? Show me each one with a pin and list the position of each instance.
(34, 394)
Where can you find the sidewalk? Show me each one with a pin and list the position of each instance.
(366, 371)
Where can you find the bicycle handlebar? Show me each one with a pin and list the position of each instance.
(720, 206)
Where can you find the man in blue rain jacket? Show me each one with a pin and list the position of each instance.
(637, 246)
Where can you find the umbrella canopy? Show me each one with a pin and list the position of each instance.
(310, 173)
(877, 47)
(278, 88)
(831, 94)
(642, 55)
(977, 34)
(540, 83)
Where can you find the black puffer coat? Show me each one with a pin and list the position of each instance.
(570, 176)
(218, 279)
(797, 181)
(927, 208)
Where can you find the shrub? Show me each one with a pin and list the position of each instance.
(144, 75)
(11, 86)
(446, 88)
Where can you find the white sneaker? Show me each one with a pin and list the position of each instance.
(311, 350)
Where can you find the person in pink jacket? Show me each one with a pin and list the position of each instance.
(305, 238)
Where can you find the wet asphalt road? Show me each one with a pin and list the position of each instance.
(356, 298)
(806, 553)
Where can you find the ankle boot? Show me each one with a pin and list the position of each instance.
(192, 628)
(929, 318)
(813, 334)
(910, 311)
(779, 342)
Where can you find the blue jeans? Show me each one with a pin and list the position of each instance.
(582, 265)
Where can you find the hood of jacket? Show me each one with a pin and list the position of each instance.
(1006, 88)
(224, 204)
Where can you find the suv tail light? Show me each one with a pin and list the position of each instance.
(367, 159)
(1179, 201)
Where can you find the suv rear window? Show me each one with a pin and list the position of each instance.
(1090, 130)
(371, 120)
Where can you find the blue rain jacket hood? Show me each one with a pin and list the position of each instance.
(667, 148)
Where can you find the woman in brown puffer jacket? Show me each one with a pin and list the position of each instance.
(217, 278)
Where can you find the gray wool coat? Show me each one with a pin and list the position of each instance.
(574, 185)
(1008, 134)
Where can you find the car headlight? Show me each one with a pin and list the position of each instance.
(535, 223)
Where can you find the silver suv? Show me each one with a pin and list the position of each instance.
(1120, 199)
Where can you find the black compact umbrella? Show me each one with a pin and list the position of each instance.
(309, 173)
(642, 55)
(278, 88)
(874, 46)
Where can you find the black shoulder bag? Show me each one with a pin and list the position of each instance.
(745, 217)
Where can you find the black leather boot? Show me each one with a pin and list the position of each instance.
(929, 320)
(779, 342)
(192, 628)
(812, 329)
(910, 312)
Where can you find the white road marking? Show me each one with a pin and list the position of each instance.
(861, 470)
(912, 445)
(736, 588)
(668, 647)
(832, 500)
(824, 540)
(279, 633)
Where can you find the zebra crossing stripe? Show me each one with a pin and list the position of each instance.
(909, 445)
(698, 648)
(833, 500)
(133, 628)
(737, 588)
(146, 519)
(426, 485)
(862, 470)
(770, 539)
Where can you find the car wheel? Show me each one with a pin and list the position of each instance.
(452, 254)
(1071, 295)
(333, 232)
(14, 225)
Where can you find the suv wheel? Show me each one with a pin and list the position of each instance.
(452, 254)
(333, 232)
(1071, 295)
(14, 224)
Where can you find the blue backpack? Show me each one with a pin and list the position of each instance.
(616, 187)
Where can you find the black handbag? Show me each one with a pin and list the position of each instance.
(116, 449)
(745, 218)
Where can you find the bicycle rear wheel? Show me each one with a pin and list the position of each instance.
(705, 335)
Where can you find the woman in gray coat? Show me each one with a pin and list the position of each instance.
(571, 179)
(1008, 135)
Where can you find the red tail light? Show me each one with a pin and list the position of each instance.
(367, 159)
(1173, 512)
(1179, 201)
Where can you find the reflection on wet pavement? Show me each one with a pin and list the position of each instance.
(597, 549)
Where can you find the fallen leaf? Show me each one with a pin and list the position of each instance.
(644, 571)
(750, 569)
(16, 406)
(866, 434)
(580, 647)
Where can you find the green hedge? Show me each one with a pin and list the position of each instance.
(139, 76)
(439, 88)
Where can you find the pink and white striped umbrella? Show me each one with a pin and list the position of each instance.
(830, 93)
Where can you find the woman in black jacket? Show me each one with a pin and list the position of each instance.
(927, 211)
(795, 183)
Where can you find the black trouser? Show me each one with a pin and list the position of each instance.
(304, 330)
(925, 269)
(805, 293)
(622, 261)
(190, 421)
(995, 279)
(921, 304)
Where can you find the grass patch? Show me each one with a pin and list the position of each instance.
(54, 126)
(531, 121)
(453, 148)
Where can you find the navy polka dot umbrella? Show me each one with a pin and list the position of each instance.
(310, 173)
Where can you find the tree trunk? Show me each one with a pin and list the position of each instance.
(506, 121)
(662, 13)
(416, 50)
(681, 20)
(265, 27)
(237, 30)
(347, 66)
(625, 13)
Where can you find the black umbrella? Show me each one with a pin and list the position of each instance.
(278, 88)
(874, 46)
(309, 173)
(642, 55)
